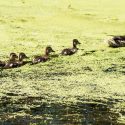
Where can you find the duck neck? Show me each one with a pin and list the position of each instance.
(12, 58)
(46, 52)
(20, 58)
(74, 45)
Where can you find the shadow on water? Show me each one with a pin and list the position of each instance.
(61, 114)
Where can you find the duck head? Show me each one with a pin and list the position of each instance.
(13, 56)
(75, 43)
(48, 50)
(22, 56)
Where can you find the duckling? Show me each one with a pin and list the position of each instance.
(44, 58)
(116, 41)
(13, 57)
(9, 63)
(16, 63)
(22, 56)
(70, 51)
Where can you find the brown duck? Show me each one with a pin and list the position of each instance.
(16, 63)
(13, 57)
(21, 61)
(44, 58)
(71, 51)
(116, 41)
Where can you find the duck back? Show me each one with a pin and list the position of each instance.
(69, 51)
(116, 41)
(39, 59)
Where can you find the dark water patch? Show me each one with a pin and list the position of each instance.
(54, 55)
(12, 94)
(102, 50)
(88, 52)
(16, 104)
(18, 27)
(87, 68)
(8, 73)
(123, 72)
(18, 120)
(5, 99)
(33, 75)
(110, 69)
(50, 74)
(90, 14)
(2, 21)
(23, 20)
(62, 114)
(114, 101)
(116, 67)
(122, 58)
(83, 70)
(30, 100)
(123, 67)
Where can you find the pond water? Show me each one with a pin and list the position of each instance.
(58, 114)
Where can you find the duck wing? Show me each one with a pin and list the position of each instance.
(119, 41)
(11, 65)
(39, 59)
(116, 41)
(68, 51)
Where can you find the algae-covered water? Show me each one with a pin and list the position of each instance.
(86, 88)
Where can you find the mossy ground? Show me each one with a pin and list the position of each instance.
(95, 73)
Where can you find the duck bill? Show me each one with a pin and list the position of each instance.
(26, 57)
(53, 51)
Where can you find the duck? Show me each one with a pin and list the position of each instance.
(16, 63)
(71, 51)
(22, 56)
(44, 58)
(116, 41)
(13, 57)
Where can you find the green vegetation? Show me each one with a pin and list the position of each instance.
(95, 73)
